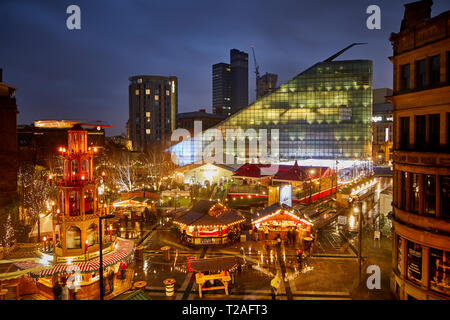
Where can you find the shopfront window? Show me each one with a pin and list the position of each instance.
(440, 271)
(430, 194)
(414, 261)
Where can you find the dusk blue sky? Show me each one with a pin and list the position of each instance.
(83, 74)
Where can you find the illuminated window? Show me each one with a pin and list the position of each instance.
(139, 80)
(156, 98)
(167, 92)
(147, 91)
(137, 92)
(147, 131)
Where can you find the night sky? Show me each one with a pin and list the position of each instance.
(83, 74)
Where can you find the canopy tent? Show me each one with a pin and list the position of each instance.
(123, 250)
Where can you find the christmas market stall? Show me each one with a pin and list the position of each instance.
(208, 223)
(278, 219)
(134, 207)
(213, 273)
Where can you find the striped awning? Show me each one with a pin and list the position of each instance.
(124, 250)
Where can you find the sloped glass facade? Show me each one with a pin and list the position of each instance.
(322, 113)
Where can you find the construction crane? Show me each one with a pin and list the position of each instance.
(256, 70)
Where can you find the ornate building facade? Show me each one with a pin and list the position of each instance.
(421, 197)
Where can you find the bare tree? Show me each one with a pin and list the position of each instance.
(123, 172)
(35, 192)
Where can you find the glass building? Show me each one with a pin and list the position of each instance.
(322, 113)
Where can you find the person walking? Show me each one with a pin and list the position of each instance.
(255, 232)
(57, 290)
(123, 268)
(289, 236)
(65, 291)
(294, 238)
(279, 242)
(274, 285)
(111, 280)
(266, 232)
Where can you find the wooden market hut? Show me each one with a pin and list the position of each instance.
(319, 181)
(213, 270)
(278, 219)
(208, 223)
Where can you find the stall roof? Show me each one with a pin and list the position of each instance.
(132, 201)
(272, 209)
(201, 214)
(214, 264)
(124, 249)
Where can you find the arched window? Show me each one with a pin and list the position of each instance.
(92, 234)
(74, 203)
(73, 238)
(88, 202)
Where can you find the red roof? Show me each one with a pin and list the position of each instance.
(283, 172)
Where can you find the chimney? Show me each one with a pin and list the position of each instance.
(415, 13)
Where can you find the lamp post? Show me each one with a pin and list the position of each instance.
(39, 226)
(100, 271)
(311, 172)
(359, 211)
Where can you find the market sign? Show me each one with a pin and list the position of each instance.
(342, 220)
(286, 195)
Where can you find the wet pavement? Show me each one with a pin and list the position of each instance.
(330, 273)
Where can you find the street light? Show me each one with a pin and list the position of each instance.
(359, 211)
(311, 172)
(108, 216)
(39, 226)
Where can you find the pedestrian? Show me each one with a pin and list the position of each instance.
(294, 238)
(111, 280)
(279, 242)
(255, 232)
(289, 236)
(123, 268)
(267, 247)
(57, 290)
(65, 291)
(250, 233)
(274, 284)
(266, 232)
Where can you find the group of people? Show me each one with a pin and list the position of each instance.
(63, 286)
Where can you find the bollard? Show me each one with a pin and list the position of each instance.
(139, 252)
(169, 283)
(166, 253)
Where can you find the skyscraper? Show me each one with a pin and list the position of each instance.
(153, 106)
(239, 80)
(266, 84)
(221, 83)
